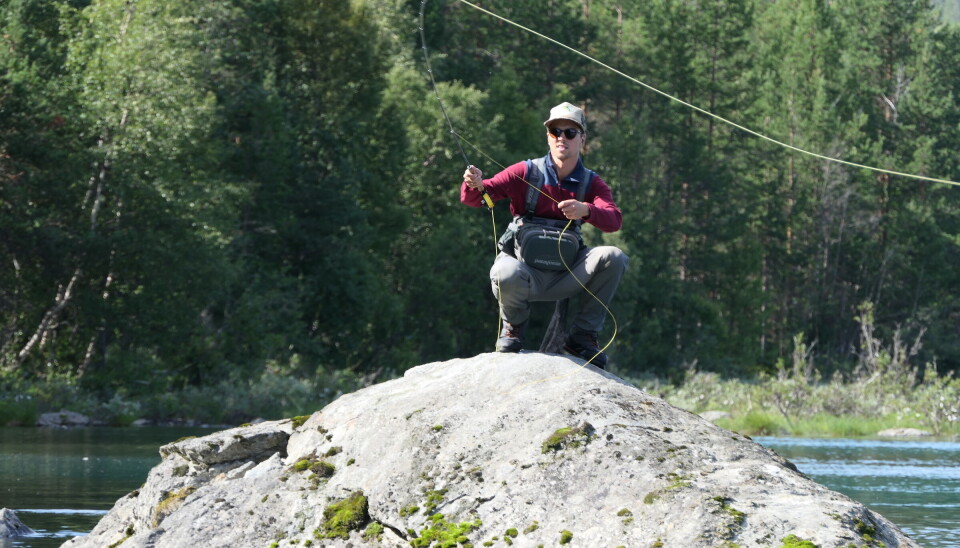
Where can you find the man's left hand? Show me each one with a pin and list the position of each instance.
(572, 209)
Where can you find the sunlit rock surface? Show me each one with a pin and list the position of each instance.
(531, 448)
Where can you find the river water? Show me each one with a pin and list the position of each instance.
(915, 484)
(61, 482)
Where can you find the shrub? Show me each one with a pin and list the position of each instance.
(17, 410)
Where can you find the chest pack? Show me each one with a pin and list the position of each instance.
(538, 241)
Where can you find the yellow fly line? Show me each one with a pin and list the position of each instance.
(706, 112)
(659, 92)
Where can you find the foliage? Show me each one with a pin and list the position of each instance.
(887, 391)
(17, 410)
(261, 198)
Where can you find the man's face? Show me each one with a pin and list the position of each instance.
(563, 147)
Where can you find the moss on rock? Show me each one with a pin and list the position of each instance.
(340, 518)
(571, 437)
(793, 541)
(299, 420)
(373, 532)
(169, 503)
(866, 531)
(730, 530)
(321, 468)
(434, 498)
(444, 533)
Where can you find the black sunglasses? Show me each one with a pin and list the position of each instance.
(569, 132)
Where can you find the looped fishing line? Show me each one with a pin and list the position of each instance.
(655, 90)
(486, 197)
(489, 202)
(706, 112)
(569, 269)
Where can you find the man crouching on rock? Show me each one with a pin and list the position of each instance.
(527, 270)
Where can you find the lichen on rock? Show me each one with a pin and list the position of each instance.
(169, 504)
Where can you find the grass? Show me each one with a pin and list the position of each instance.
(898, 407)
(761, 423)
(881, 391)
(757, 408)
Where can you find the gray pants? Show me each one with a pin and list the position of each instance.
(600, 269)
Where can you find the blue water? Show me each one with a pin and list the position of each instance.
(914, 484)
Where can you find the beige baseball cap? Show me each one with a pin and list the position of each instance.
(567, 111)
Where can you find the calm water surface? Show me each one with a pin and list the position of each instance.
(61, 482)
(915, 484)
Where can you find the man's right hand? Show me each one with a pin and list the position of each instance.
(473, 177)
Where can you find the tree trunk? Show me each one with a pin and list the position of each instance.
(64, 294)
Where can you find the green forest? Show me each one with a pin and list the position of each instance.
(230, 209)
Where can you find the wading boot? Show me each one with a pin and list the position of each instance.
(511, 337)
(583, 344)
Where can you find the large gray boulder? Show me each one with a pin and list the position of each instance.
(11, 526)
(519, 449)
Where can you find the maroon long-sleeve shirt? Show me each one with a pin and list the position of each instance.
(509, 183)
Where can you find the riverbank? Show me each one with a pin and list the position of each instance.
(799, 402)
(795, 400)
(227, 402)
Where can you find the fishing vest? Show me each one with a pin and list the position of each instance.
(541, 242)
